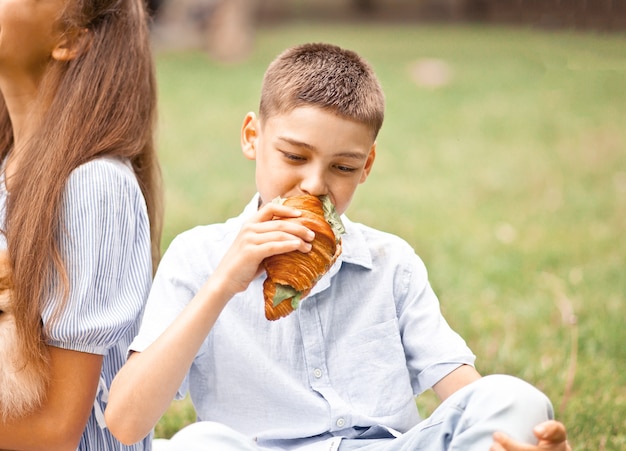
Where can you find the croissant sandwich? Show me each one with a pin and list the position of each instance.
(291, 276)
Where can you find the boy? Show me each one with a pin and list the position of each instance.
(341, 372)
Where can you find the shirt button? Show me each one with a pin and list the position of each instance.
(317, 373)
(340, 422)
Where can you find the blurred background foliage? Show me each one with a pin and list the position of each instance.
(502, 160)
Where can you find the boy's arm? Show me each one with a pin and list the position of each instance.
(145, 386)
(457, 379)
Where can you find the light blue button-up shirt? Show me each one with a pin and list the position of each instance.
(368, 338)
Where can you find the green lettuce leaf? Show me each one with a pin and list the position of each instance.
(285, 292)
(332, 217)
(279, 200)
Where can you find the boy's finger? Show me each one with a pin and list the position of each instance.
(273, 209)
(551, 431)
(498, 439)
(503, 442)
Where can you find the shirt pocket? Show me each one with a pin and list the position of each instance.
(371, 370)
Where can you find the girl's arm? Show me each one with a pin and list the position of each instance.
(60, 422)
(144, 388)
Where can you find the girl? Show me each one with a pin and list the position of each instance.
(80, 210)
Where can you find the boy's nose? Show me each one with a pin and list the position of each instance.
(314, 184)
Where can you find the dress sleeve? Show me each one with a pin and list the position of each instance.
(105, 243)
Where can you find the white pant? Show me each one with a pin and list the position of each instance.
(465, 421)
(205, 436)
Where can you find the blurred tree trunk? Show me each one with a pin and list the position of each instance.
(364, 6)
(231, 29)
(153, 6)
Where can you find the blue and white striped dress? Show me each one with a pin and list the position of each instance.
(106, 246)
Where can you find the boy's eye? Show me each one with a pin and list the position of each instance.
(293, 157)
(345, 168)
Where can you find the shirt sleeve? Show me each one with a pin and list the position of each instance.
(105, 243)
(433, 349)
(173, 287)
(181, 272)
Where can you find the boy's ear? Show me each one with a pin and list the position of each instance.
(71, 45)
(249, 135)
(368, 163)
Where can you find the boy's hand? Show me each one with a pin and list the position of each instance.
(259, 238)
(551, 435)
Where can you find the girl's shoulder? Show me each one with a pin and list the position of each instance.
(105, 167)
(103, 176)
(101, 186)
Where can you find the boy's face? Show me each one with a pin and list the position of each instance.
(308, 151)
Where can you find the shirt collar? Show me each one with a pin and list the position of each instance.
(354, 246)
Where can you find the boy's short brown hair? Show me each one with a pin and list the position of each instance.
(324, 76)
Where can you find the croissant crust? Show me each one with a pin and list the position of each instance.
(298, 270)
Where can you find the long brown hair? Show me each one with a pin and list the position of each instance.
(103, 102)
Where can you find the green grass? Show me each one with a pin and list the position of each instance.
(510, 182)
